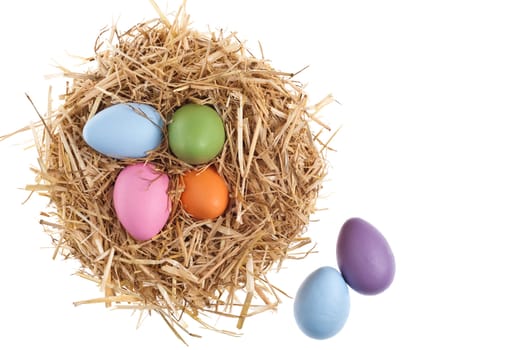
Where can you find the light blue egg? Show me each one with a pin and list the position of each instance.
(322, 304)
(124, 130)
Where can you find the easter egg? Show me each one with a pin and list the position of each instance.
(196, 134)
(322, 303)
(124, 130)
(205, 194)
(141, 200)
(364, 257)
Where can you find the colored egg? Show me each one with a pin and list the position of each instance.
(141, 202)
(125, 130)
(322, 303)
(364, 257)
(196, 134)
(205, 194)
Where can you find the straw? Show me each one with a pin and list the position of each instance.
(273, 162)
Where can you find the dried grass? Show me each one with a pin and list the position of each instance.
(273, 162)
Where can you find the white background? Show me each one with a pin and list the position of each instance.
(432, 151)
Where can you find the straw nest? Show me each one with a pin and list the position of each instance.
(273, 162)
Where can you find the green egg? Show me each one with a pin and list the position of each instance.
(196, 134)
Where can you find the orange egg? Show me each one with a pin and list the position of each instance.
(205, 194)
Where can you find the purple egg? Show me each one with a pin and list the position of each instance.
(364, 257)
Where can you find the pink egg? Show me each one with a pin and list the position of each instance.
(141, 200)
